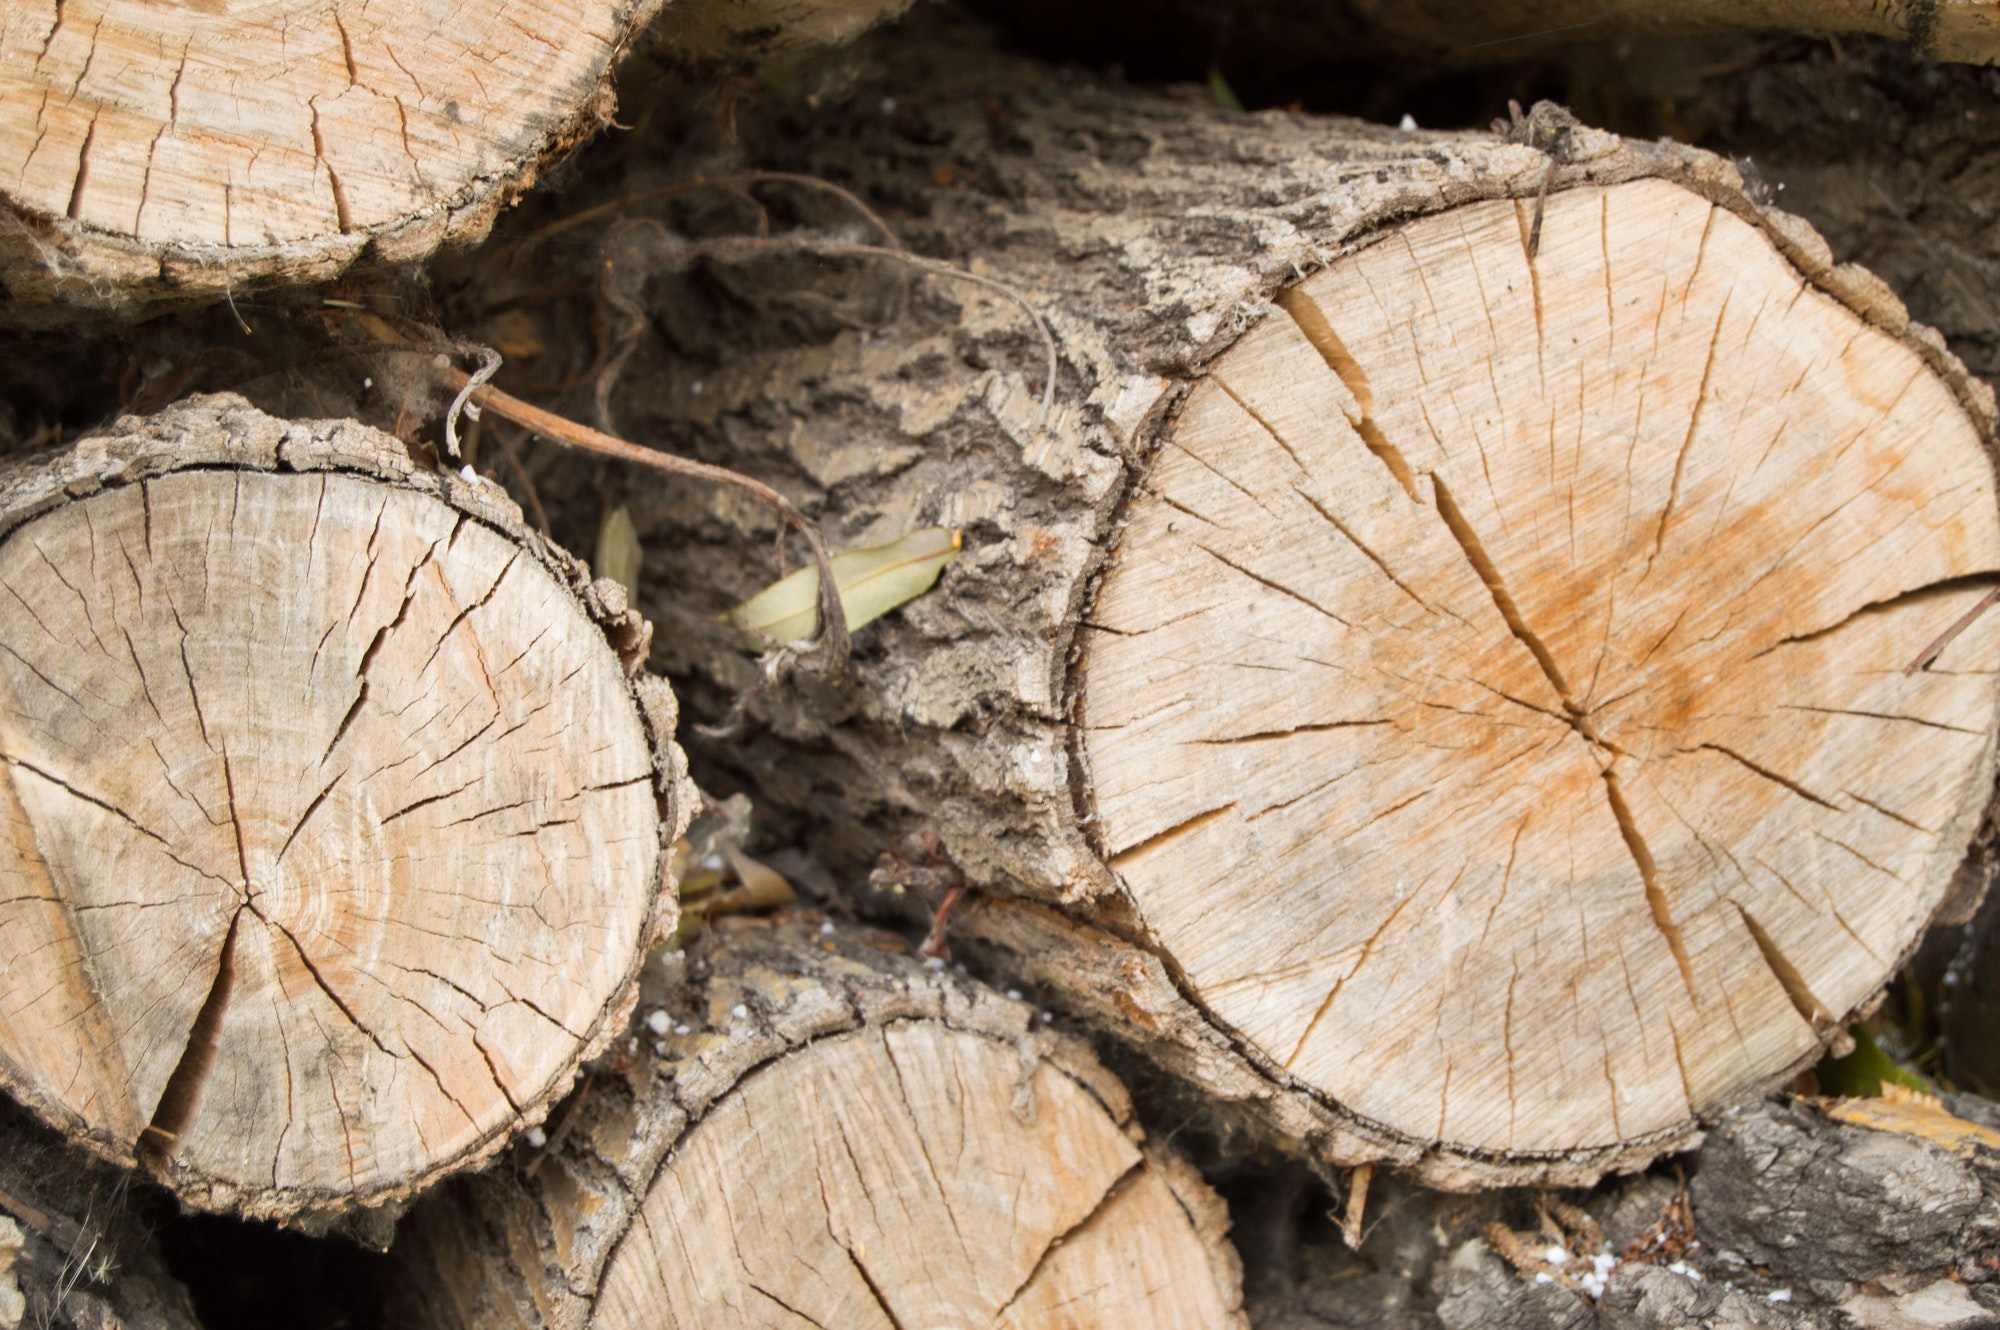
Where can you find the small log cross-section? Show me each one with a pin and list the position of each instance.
(1437, 677)
(158, 150)
(828, 1134)
(330, 823)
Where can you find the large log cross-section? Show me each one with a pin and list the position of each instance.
(1534, 626)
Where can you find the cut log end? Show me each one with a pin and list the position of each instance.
(181, 149)
(1498, 706)
(833, 1135)
(328, 825)
(912, 1175)
(1443, 653)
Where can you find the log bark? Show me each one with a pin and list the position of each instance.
(333, 819)
(1440, 668)
(1288, 39)
(824, 1131)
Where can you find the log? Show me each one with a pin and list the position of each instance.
(332, 820)
(827, 1132)
(1438, 675)
(182, 154)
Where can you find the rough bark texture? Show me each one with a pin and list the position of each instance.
(814, 1128)
(1785, 1217)
(1154, 233)
(246, 941)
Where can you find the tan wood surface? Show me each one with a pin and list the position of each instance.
(891, 1178)
(811, 1127)
(1498, 709)
(327, 832)
(194, 145)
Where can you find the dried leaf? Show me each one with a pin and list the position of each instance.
(1912, 1114)
(872, 582)
(619, 555)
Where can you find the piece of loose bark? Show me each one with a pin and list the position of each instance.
(332, 819)
(823, 1131)
(1441, 668)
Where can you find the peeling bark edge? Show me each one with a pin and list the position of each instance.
(853, 980)
(224, 432)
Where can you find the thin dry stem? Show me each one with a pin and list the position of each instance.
(734, 184)
(832, 635)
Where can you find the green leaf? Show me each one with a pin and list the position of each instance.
(618, 553)
(1220, 92)
(1866, 1070)
(872, 582)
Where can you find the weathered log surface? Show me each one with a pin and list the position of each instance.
(1549, 445)
(825, 1132)
(333, 819)
(186, 150)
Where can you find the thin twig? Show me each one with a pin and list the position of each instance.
(728, 183)
(554, 1138)
(935, 946)
(1541, 204)
(489, 365)
(1945, 639)
(1351, 1231)
(528, 490)
(558, 429)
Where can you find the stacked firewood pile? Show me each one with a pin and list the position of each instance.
(799, 664)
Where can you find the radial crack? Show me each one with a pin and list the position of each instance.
(1319, 332)
(1119, 1186)
(1809, 1007)
(1358, 544)
(1769, 775)
(1649, 874)
(1160, 838)
(1264, 736)
(1276, 586)
(1482, 564)
(174, 1113)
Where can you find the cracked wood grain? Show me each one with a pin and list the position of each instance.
(1691, 579)
(845, 1139)
(269, 929)
(162, 153)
